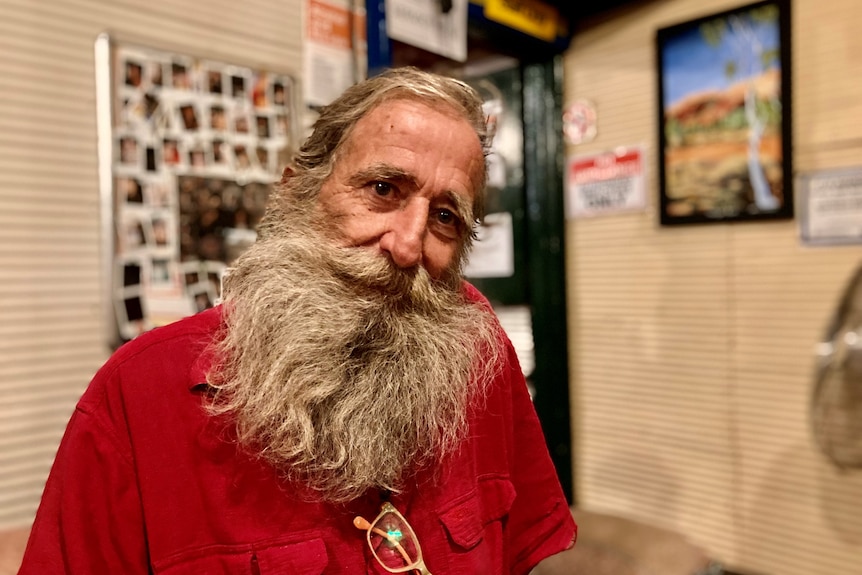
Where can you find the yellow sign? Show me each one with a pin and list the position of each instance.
(531, 17)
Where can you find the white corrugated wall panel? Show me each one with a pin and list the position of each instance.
(692, 348)
(52, 320)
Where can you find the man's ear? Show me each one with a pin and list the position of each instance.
(287, 174)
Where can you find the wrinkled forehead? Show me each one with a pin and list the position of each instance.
(447, 108)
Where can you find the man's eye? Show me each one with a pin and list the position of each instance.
(446, 217)
(382, 189)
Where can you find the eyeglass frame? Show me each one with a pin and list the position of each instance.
(386, 507)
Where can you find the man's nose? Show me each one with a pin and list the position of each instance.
(404, 239)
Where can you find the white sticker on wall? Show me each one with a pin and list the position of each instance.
(493, 254)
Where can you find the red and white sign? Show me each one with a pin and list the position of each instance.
(605, 183)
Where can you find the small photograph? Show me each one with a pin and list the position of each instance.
(151, 159)
(191, 273)
(188, 189)
(189, 116)
(157, 192)
(131, 110)
(162, 231)
(164, 120)
(242, 160)
(262, 126)
(134, 309)
(221, 153)
(133, 73)
(281, 125)
(214, 82)
(129, 274)
(131, 270)
(181, 76)
(218, 118)
(263, 160)
(132, 234)
(129, 151)
(197, 157)
(260, 94)
(201, 296)
(130, 315)
(130, 190)
(279, 97)
(160, 271)
(238, 86)
(215, 273)
(151, 105)
(171, 152)
(214, 281)
(155, 73)
(241, 121)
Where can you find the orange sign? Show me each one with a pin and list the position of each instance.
(328, 24)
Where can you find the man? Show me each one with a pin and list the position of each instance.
(352, 406)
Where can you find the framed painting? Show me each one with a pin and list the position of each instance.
(724, 116)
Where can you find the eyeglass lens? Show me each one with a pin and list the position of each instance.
(394, 543)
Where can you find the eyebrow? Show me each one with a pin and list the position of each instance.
(463, 206)
(381, 172)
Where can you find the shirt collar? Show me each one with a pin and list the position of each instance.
(212, 320)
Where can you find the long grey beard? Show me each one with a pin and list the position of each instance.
(342, 370)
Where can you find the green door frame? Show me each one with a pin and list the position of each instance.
(543, 173)
(544, 281)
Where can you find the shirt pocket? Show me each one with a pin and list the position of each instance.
(302, 558)
(306, 557)
(474, 527)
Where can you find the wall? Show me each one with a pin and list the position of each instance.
(692, 347)
(53, 322)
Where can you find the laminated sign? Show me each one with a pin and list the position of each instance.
(605, 183)
(439, 27)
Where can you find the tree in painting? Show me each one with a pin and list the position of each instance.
(752, 58)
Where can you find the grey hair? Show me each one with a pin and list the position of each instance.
(314, 161)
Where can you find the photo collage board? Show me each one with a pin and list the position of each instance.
(197, 145)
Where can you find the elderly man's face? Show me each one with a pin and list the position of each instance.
(404, 184)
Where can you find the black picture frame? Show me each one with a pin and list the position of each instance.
(724, 103)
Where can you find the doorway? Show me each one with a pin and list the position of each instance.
(523, 274)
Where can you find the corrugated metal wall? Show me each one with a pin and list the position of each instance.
(52, 318)
(693, 347)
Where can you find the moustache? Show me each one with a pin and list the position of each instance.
(369, 272)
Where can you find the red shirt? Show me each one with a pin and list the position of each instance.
(146, 482)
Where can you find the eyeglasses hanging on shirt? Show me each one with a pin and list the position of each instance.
(393, 542)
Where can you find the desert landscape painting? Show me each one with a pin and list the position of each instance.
(724, 154)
